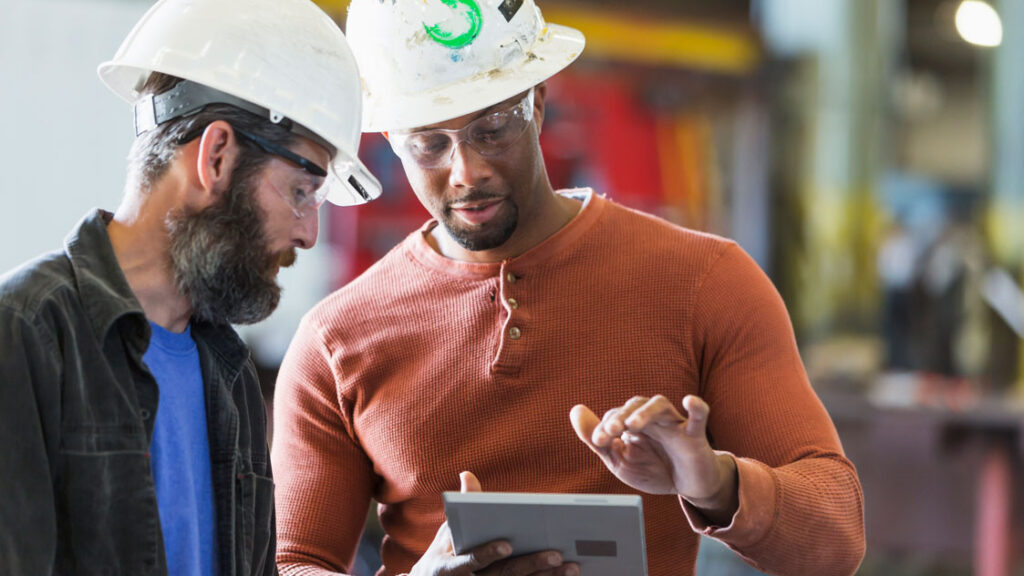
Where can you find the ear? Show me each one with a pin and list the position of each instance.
(216, 157)
(540, 93)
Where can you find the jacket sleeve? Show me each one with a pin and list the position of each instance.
(29, 385)
(324, 479)
(801, 506)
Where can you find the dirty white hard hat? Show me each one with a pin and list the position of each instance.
(286, 58)
(427, 61)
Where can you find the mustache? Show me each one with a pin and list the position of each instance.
(475, 195)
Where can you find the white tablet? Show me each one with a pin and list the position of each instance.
(603, 533)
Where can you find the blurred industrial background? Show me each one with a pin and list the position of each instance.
(869, 154)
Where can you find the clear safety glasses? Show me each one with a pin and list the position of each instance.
(489, 135)
(304, 193)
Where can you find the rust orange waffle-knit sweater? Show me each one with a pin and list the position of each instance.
(424, 367)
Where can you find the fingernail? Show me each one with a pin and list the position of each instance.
(554, 560)
(572, 571)
(504, 549)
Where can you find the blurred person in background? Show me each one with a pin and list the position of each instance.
(953, 327)
(473, 353)
(133, 431)
(898, 267)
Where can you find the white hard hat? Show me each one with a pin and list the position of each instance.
(286, 57)
(427, 61)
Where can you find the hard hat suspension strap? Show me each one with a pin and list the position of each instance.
(189, 97)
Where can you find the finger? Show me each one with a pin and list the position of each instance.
(632, 448)
(615, 451)
(569, 569)
(536, 564)
(469, 482)
(601, 436)
(614, 422)
(658, 410)
(584, 422)
(481, 557)
(697, 411)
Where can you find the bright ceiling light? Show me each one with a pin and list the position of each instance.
(979, 23)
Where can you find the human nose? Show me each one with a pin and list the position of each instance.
(468, 168)
(307, 228)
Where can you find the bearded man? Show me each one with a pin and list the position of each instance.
(132, 428)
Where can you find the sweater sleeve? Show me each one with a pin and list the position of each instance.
(324, 480)
(800, 502)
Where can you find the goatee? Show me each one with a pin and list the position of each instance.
(489, 236)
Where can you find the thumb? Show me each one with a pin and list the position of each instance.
(697, 415)
(584, 422)
(470, 482)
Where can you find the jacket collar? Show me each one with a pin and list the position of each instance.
(104, 290)
(107, 297)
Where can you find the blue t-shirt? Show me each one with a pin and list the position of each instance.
(181, 455)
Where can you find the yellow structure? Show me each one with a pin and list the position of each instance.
(616, 35)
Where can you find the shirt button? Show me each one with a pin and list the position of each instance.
(144, 413)
(513, 303)
(511, 278)
(515, 333)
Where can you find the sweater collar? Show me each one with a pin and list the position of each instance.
(593, 205)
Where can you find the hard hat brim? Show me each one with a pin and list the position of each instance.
(558, 47)
(350, 183)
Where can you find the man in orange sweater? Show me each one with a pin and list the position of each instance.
(481, 346)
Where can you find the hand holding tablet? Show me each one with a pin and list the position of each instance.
(603, 534)
(494, 558)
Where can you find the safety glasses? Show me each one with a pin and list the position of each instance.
(303, 195)
(489, 135)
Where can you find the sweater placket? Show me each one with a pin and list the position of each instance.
(513, 320)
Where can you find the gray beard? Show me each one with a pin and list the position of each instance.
(221, 259)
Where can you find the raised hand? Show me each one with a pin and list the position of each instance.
(649, 445)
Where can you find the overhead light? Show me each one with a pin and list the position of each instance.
(979, 23)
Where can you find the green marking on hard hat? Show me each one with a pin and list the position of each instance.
(449, 38)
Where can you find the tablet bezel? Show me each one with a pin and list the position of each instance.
(574, 524)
